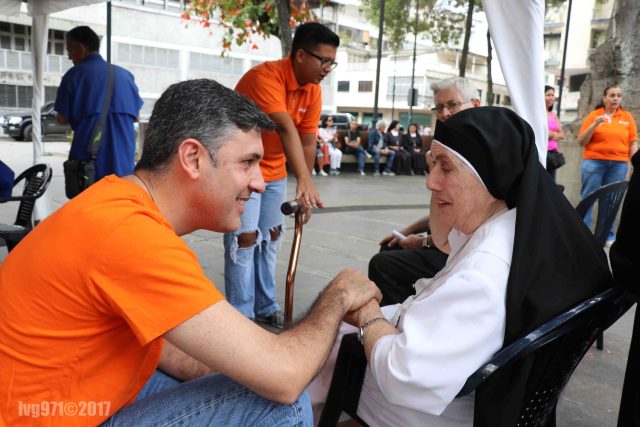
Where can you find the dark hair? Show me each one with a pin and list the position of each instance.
(311, 34)
(201, 109)
(547, 88)
(324, 121)
(393, 124)
(85, 36)
(600, 104)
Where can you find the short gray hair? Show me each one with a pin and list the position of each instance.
(200, 109)
(381, 124)
(464, 86)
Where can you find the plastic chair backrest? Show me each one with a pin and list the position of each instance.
(555, 348)
(609, 199)
(36, 180)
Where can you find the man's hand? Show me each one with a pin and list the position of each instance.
(412, 241)
(308, 197)
(356, 286)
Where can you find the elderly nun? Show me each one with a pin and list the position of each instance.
(510, 268)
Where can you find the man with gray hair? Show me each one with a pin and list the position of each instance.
(378, 146)
(120, 315)
(395, 271)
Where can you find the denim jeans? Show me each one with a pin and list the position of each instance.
(376, 161)
(361, 155)
(250, 273)
(596, 174)
(214, 400)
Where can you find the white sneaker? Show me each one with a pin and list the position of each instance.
(376, 173)
(323, 173)
(362, 173)
(366, 153)
(313, 172)
(388, 173)
(334, 172)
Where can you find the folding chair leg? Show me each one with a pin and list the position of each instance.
(600, 341)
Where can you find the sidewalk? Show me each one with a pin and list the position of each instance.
(348, 238)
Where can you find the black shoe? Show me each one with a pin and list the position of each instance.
(275, 319)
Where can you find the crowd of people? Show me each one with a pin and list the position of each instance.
(121, 313)
(404, 151)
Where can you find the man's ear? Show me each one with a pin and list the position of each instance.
(189, 157)
(298, 56)
(475, 102)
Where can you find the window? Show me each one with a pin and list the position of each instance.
(14, 36)
(56, 43)
(365, 86)
(552, 49)
(215, 64)
(597, 38)
(21, 96)
(343, 86)
(576, 81)
(147, 56)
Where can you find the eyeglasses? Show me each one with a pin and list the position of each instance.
(451, 106)
(324, 62)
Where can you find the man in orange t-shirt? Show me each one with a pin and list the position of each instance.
(106, 314)
(288, 90)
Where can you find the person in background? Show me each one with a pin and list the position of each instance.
(288, 90)
(412, 143)
(555, 127)
(609, 137)
(80, 99)
(402, 162)
(328, 139)
(378, 145)
(353, 145)
(414, 258)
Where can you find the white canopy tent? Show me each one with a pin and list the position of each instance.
(516, 28)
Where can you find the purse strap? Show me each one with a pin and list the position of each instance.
(96, 133)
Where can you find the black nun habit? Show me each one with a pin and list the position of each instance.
(556, 262)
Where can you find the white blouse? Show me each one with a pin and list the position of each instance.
(453, 325)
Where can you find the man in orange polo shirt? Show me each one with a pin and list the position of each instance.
(118, 294)
(288, 90)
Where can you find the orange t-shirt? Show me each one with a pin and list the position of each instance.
(274, 88)
(86, 298)
(610, 141)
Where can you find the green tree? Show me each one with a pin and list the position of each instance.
(244, 20)
(437, 19)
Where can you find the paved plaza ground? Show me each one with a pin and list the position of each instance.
(339, 238)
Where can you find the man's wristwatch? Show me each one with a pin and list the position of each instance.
(366, 325)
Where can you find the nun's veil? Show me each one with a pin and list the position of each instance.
(556, 261)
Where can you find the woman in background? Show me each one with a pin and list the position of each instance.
(609, 137)
(412, 144)
(555, 128)
(402, 165)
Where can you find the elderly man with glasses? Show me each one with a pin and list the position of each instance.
(395, 271)
(288, 91)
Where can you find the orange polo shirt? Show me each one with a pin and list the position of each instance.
(86, 298)
(610, 141)
(274, 88)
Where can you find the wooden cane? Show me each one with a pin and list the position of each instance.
(289, 208)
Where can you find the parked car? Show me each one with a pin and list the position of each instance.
(18, 124)
(341, 121)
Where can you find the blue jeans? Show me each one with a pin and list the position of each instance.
(214, 400)
(250, 273)
(361, 155)
(596, 174)
(376, 161)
